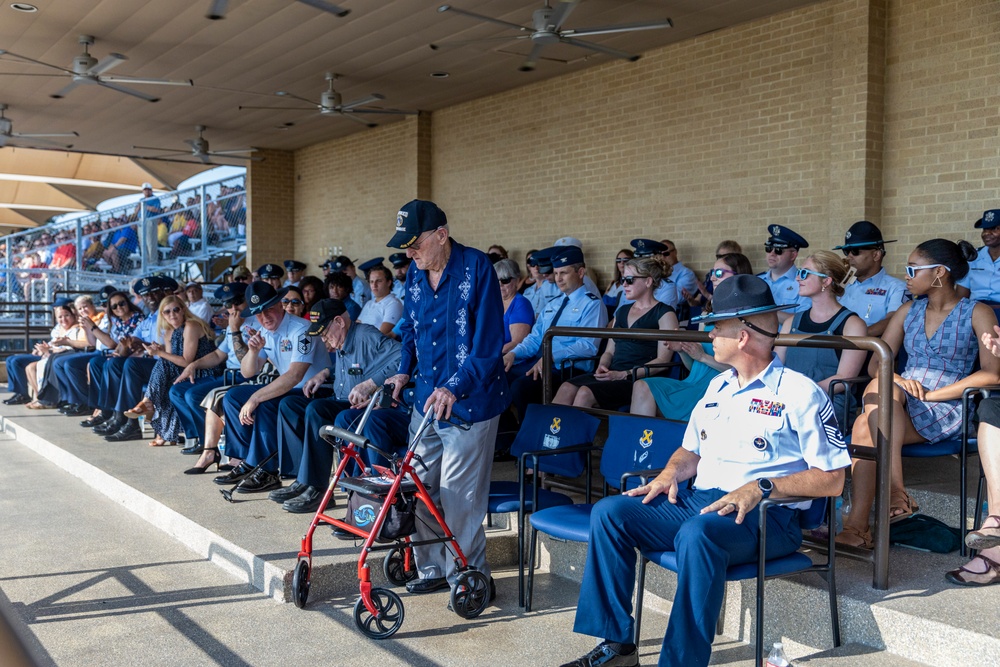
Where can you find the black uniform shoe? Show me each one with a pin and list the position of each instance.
(421, 586)
(287, 493)
(76, 410)
(608, 654)
(237, 474)
(97, 420)
(308, 502)
(111, 425)
(130, 431)
(17, 399)
(259, 482)
(193, 447)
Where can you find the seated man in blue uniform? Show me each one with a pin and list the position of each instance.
(874, 295)
(576, 308)
(782, 248)
(294, 269)
(544, 289)
(186, 395)
(272, 274)
(983, 279)
(252, 410)
(761, 431)
(364, 359)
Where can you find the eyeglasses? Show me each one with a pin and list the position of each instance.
(720, 273)
(241, 279)
(628, 280)
(506, 281)
(777, 250)
(292, 302)
(419, 242)
(621, 260)
(118, 304)
(911, 271)
(802, 274)
(854, 252)
(171, 311)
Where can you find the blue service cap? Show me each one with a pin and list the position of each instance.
(567, 256)
(415, 218)
(270, 271)
(230, 292)
(62, 302)
(166, 283)
(105, 294)
(989, 220)
(145, 285)
(647, 247)
(399, 260)
(783, 237)
(543, 259)
(293, 265)
(371, 264)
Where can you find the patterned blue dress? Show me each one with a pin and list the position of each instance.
(944, 359)
(166, 422)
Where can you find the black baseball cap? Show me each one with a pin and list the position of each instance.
(323, 313)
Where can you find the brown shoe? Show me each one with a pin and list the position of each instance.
(144, 409)
(984, 538)
(963, 576)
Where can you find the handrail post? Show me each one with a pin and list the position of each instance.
(143, 238)
(79, 244)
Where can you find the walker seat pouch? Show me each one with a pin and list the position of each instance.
(365, 497)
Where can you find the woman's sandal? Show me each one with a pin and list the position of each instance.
(984, 538)
(159, 442)
(901, 506)
(144, 409)
(852, 537)
(963, 576)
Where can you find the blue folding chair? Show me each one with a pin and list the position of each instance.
(637, 447)
(557, 440)
(822, 510)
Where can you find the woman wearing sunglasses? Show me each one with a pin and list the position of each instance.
(624, 360)
(675, 399)
(822, 279)
(942, 335)
(518, 316)
(190, 339)
(613, 295)
(294, 303)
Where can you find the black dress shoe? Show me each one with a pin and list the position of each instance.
(607, 654)
(193, 447)
(112, 425)
(76, 410)
(259, 482)
(307, 502)
(98, 419)
(17, 399)
(237, 474)
(130, 431)
(287, 493)
(421, 586)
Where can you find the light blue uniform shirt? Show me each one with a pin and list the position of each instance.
(780, 423)
(289, 344)
(398, 289)
(232, 361)
(148, 332)
(583, 310)
(785, 290)
(983, 279)
(873, 299)
(362, 292)
(684, 279)
(540, 294)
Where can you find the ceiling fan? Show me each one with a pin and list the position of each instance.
(547, 29)
(86, 69)
(219, 7)
(331, 104)
(199, 149)
(7, 134)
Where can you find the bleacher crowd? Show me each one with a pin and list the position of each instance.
(459, 332)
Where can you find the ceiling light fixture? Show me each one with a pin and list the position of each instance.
(440, 75)
(23, 7)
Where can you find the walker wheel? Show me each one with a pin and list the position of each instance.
(389, 618)
(300, 584)
(394, 567)
(471, 593)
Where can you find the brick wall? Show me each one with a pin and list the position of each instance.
(270, 208)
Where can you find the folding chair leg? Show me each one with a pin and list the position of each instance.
(520, 559)
(489, 519)
(526, 602)
(640, 591)
(963, 497)
(834, 614)
(720, 622)
(759, 625)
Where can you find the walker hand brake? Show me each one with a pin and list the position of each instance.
(416, 457)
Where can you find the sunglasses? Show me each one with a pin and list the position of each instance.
(118, 304)
(720, 273)
(802, 274)
(777, 250)
(621, 260)
(291, 302)
(628, 280)
(854, 252)
(241, 279)
(171, 311)
(505, 281)
(911, 271)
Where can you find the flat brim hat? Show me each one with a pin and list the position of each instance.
(567, 256)
(647, 247)
(105, 294)
(741, 296)
(399, 260)
(989, 220)
(371, 264)
(568, 240)
(293, 265)
(543, 259)
(145, 285)
(340, 263)
(260, 296)
(323, 313)
(270, 271)
(862, 234)
(415, 218)
(166, 283)
(230, 292)
(783, 237)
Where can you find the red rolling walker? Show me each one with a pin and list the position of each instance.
(378, 613)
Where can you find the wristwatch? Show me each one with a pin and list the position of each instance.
(766, 486)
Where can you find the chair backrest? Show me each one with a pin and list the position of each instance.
(638, 443)
(556, 427)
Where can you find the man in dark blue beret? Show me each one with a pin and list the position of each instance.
(782, 248)
(294, 269)
(983, 279)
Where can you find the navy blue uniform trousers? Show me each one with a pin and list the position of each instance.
(255, 442)
(71, 373)
(706, 544)
(299, 421)
(387, 429)
(17, 376)
(186, 398)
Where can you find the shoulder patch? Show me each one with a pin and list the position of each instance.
(305, 344)
(592, 297)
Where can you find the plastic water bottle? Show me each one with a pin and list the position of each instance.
(839, 518)
(777, 657)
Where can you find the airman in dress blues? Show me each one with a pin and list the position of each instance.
(983, 280)
(273, 274)
(873, 295)
(544, 289)
(294, 269)
(782, 248)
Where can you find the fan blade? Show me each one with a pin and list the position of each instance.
(282, 93)
(390, 112)
(147, 82)
(3, 140)
(324, 6)
(529, 64)
(480, 17)
(374, 97)
(561, 13)
(36, 62)
(46, 142)
(106, 63)
(234, 151)
(28, 74)
(158, 148)
(351, 116)
(599, 48)
(34, 135)
(129, 91)
(622, 27)
(66, 90)
(466, 42)
(204, 157)
(312, 108)
(217, 10)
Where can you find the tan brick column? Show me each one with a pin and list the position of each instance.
(270, 208)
